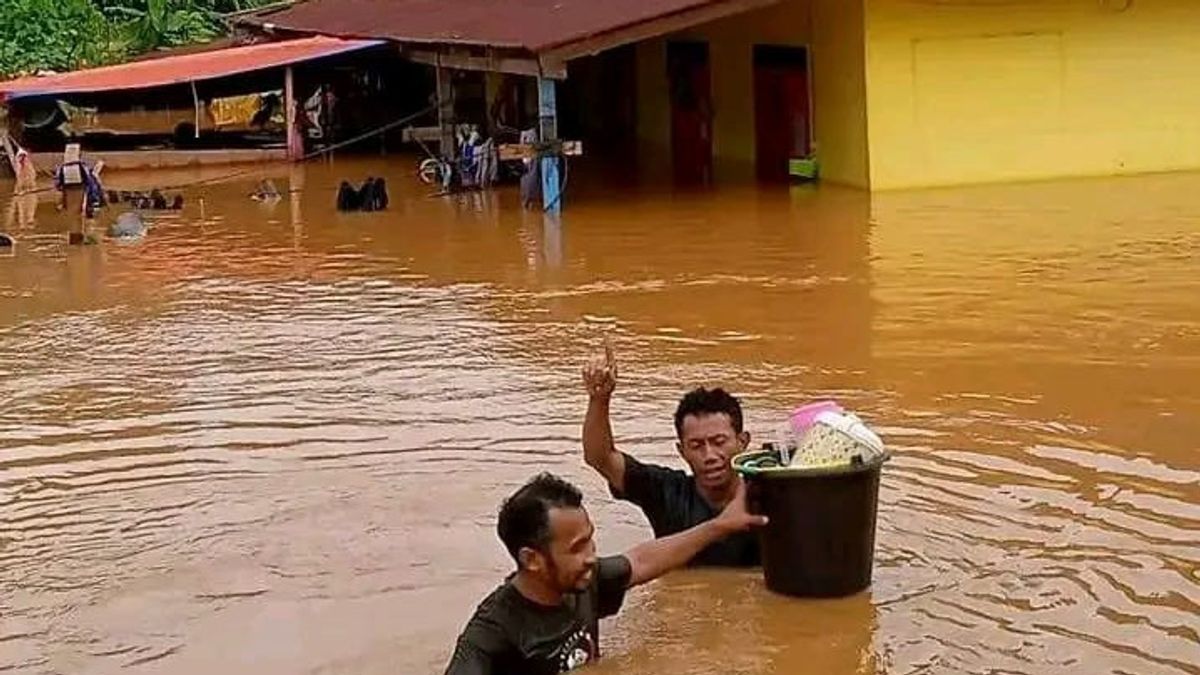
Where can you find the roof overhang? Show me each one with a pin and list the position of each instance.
(183, 68)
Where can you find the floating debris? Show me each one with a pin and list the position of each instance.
(129, 225)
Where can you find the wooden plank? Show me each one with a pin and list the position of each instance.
(295, 143)
(513, 151)
(422, 134)
(491, 62)
(651, 29)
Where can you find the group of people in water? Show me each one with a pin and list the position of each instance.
(372, 196)
(153, 200)
(544, 618)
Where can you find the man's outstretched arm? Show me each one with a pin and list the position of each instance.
(654, 558)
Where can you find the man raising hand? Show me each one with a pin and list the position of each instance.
(708, 424)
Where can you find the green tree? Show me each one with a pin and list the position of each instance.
(152, 24)
(52, 35)
(66, 34)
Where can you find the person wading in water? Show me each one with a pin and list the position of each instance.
(544, 618)
(708, 424)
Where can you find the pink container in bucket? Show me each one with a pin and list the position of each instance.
(806, 415)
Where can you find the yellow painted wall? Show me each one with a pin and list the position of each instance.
(969, 91)
(836, 52)
(840, 90)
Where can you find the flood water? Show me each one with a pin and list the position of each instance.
(273, 439)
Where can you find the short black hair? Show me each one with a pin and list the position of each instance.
(525, 515)
(701, 401)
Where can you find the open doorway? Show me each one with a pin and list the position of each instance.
(597, 104)
(782, 118)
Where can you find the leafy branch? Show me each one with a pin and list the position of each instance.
(58, 35)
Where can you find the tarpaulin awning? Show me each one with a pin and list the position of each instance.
(183, 68)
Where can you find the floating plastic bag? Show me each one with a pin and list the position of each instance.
(805, 416)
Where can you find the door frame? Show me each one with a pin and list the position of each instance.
(810, 93)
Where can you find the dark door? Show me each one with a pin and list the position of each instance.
(689, 79)
(781, 119)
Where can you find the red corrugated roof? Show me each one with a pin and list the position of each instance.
(183, 68)
(533, 25)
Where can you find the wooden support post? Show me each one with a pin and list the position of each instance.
(295, 143)
(9, 152)
(196, 107)
(295, 190)
(445, 112)
(493, 85)
(548, 130)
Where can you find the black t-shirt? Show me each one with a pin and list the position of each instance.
(512, 635)
(672, 503)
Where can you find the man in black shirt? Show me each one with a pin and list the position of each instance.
(708, 424)
(544, 619)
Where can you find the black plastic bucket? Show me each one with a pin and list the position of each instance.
(820, 541)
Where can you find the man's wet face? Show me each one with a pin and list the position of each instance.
(572, 549)
(708, 443)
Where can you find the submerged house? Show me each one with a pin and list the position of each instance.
(885, 93)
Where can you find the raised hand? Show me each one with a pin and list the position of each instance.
(600, 373)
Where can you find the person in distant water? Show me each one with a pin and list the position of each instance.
(544, 618)
(347, 198)
(266, 192)
(367, 198)
(26, 173)
(708, 424)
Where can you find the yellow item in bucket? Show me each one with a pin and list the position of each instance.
(835, 439)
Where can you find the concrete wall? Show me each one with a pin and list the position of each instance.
(832, 29)
(840, 91)
(911, 93)
(970, 91)
(164, 159)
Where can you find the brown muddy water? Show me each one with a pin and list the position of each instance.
(272, 439)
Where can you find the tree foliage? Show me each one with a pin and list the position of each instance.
(52, 35)
(39, 35)
(152, 24)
